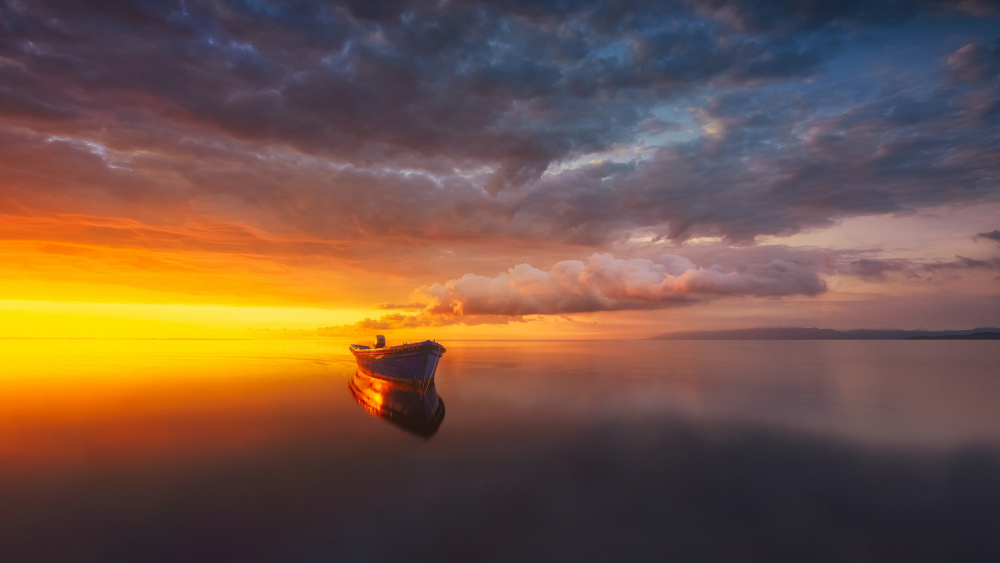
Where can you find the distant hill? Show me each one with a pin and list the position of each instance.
(973, 336)
(795, 333)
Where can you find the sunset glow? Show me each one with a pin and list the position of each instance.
(343, 172)
(499, 280)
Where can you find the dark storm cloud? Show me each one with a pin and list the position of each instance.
(516, 83)
(438, 120)
(772, 165)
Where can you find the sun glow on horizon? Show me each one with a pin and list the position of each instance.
(47, 319)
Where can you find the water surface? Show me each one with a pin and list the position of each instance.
(713, 450)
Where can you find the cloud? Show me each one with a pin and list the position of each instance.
(964, 263)
(774, 166)
(467, 122)
(389, 306)
(992, 235)
(513, 86)
(873, 269)
(601, 283)
(876, 269)
(976, 62)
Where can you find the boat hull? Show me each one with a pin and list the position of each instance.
(413, 364)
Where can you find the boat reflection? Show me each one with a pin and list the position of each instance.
(405, 405)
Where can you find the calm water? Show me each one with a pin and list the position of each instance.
(580, 451)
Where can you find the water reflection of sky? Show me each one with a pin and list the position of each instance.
(918, 393)
(257, 451)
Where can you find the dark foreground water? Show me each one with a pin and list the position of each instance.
(573, 451)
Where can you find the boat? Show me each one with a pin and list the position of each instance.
(406, 364)
(419, 412)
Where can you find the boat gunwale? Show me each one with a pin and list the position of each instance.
(414, 347)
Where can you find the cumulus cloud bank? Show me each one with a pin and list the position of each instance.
(601, 283)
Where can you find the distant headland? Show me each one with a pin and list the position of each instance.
(795, 333)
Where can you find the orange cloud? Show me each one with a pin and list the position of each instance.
(191, 235)
(65, 257)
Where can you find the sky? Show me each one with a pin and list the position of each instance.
(504, 169)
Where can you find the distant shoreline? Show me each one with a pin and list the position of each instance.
(973, 336)
(796, 333)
